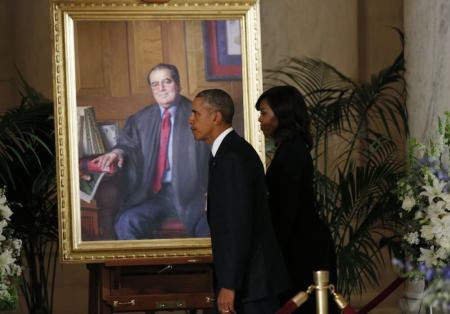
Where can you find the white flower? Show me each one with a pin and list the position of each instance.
(418, 215)
(6, 258)
(420, 150)
(412, 238)
(427, 256)
(3, 224)
(5, 211)
(446, 199)
(16, 270)
(17, 244)
(2, 196)
(433, 191)
(436, 209)
(408, 203)
(9, 253)
(442, 255)
(437, 226)
(427, 232)
(444, 242)
(446, 219)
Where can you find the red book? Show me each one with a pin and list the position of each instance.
(88, 165)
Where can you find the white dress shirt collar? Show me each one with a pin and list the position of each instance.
(172, 110)
(218, 141)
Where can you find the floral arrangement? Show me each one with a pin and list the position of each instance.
(9, 253)
(425, 197)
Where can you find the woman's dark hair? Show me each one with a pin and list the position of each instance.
(289, 106)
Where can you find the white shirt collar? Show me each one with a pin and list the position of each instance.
(172, 110)
(218, 141)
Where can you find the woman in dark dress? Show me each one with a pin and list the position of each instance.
(304, 238)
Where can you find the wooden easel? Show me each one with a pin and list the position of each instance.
(151, 285)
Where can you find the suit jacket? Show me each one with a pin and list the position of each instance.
(304, 238)
(139, 139)
(246, 255)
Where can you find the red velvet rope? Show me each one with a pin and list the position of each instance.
(381, 296)
(348, 310)
(290, 306)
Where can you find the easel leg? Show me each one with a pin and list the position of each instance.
(94, 288)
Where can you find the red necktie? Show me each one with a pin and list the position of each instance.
(162, 163)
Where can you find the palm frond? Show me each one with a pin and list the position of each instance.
(23, 130)
(364, 210)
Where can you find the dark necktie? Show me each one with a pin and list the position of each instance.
(211, 161)
(162, 162)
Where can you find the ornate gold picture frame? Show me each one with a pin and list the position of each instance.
(102, 54)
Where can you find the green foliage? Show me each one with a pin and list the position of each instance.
(9, 303)
(357, 161)
(27, 165)
(22, 130)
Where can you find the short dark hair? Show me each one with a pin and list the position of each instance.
(166, 66)
(220, 101)
(288, 105)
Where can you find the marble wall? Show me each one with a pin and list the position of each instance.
(321, 29)
(427, 29)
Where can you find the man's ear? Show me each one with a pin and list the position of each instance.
(218, 118)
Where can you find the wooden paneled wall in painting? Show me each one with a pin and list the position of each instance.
(113, 59)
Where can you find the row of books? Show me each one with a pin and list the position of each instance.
(93, 139)
(90, 141)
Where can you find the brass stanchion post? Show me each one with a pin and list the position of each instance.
(321, 280)
(322, 286)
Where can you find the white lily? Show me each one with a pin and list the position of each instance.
(433, 191)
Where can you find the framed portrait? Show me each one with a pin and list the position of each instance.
(223, 60)
(116, 66)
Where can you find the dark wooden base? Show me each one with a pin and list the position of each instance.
(139, 287)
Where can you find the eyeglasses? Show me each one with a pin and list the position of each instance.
(156, 84)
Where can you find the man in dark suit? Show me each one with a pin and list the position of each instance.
(164, 169)
(248, 266)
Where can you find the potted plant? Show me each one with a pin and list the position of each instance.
(357, 163)
(27, 168)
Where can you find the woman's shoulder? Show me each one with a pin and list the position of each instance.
(293, 147)
(292, 154)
